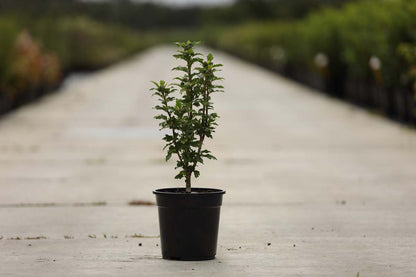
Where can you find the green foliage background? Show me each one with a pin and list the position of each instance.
(287, 36)
(349, 38)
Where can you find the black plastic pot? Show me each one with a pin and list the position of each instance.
(189, 222)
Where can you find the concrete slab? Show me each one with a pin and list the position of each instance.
(330, 187)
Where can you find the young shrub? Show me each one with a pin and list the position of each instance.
(187, 110)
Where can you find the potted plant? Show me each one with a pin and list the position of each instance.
(188, 217)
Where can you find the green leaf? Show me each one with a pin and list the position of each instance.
(180, 68)
(209, 156)
(180, 175)
(161, 116)
(168, 156)
(210, 57)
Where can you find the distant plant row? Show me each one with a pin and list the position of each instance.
(141, 15)
(36, 54)
(364, 52)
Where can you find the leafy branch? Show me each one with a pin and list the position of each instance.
(186, 109)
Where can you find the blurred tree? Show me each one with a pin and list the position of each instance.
(248, 10)
(153, 16)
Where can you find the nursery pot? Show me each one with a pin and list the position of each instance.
(189, 222)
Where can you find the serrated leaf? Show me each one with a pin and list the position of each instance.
(196, 173)
(168, 156)
(210, 57)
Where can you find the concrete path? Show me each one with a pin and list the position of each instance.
(315, 187)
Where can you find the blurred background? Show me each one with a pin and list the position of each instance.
(360, 51)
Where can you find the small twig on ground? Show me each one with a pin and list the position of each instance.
(141, 236)
(81, 204)
(141, 203)
(38, 237)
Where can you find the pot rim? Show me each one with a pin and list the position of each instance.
(194, 191)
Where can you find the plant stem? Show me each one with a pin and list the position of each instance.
(188, 181)
(188, 173)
